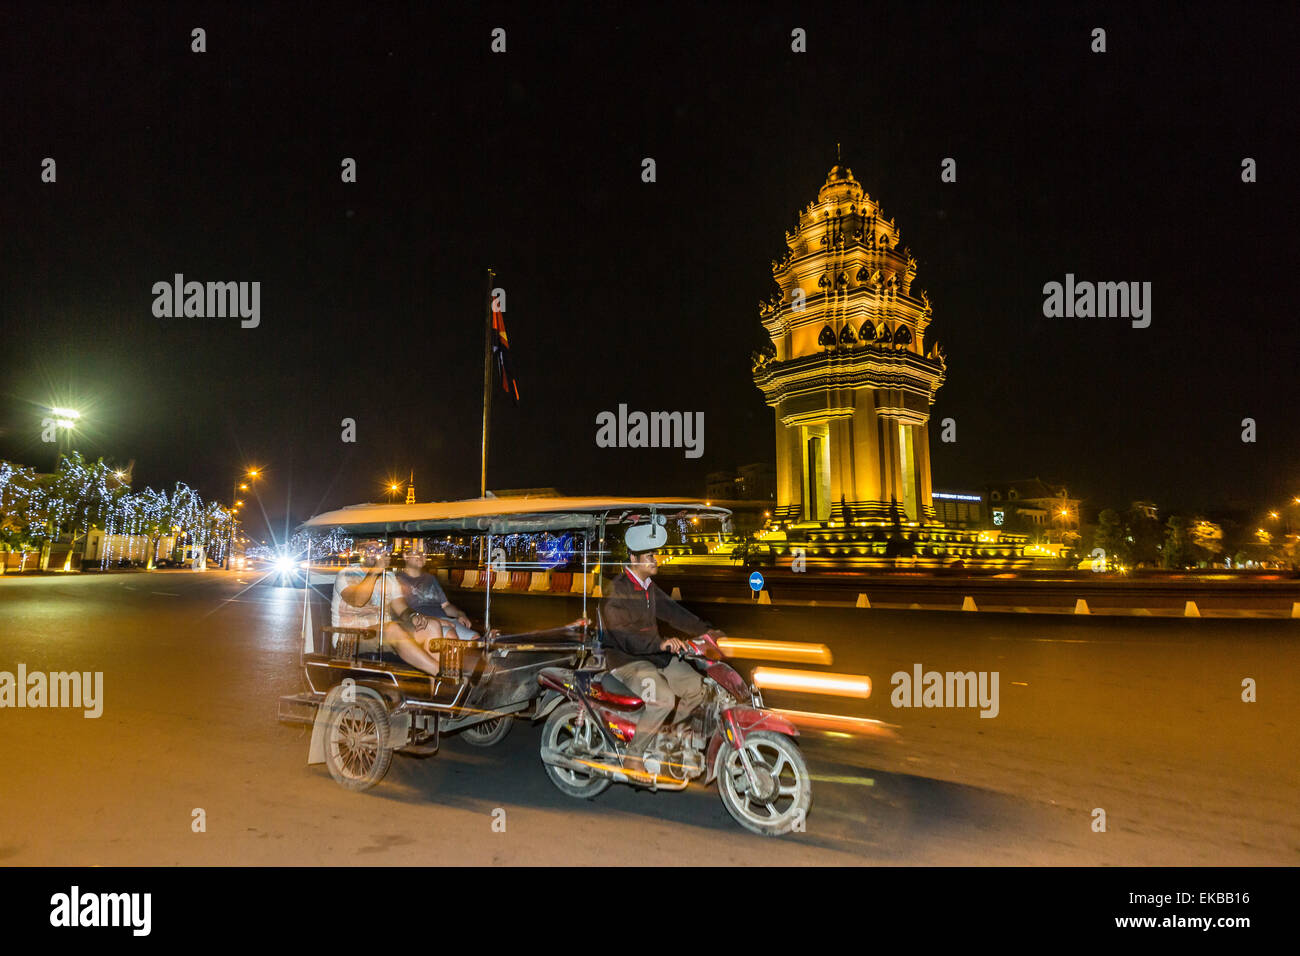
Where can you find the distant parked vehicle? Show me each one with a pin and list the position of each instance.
(185, 556)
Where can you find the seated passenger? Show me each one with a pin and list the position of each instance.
(423, 593)
(360, 595)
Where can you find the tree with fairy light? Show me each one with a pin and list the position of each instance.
(79, 499)
(154, 516)
(17, 483)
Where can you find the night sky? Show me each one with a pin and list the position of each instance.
(225, 166)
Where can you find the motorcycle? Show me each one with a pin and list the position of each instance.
(762, 777)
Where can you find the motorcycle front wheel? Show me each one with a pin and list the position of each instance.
(784, 794)
(563, 734)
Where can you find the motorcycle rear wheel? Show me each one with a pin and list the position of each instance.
(561, 734)
(778, 758)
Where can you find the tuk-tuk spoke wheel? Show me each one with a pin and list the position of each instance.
(488, 732)
(356, 744)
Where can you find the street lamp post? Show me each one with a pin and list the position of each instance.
(236, 486)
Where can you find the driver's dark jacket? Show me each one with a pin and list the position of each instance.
(630, 615)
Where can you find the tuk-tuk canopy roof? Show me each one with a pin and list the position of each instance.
(505, 515)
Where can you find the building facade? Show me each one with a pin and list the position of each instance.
(960, 509)
(752, 482)
(1034, 506)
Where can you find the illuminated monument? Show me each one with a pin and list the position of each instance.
(851, 374)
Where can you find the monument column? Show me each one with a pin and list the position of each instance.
(789, 464)
(866, 459)
(924, 490)
(843, 485)
(891, 466)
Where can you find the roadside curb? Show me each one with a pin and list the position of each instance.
(871, 605)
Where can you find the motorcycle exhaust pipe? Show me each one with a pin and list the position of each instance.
(617, 773)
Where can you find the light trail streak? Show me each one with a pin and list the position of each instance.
(775, 650)
(811, 682)
(834, 723)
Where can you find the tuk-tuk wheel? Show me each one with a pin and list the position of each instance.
(356, 743)
(488, 732)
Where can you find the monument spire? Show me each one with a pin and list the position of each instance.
(851, 373)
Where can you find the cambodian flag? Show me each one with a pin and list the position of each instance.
(501, 352)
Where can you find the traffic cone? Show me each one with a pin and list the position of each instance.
(764, 597)
(677, 593)
(968, 604)
(1191, 610)
(1081, 607)
(864, 601)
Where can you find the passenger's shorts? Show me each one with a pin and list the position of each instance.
(462, 632)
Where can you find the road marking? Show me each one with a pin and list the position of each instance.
(168, 593)
(860, 781)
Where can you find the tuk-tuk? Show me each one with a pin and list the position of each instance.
(365, 703)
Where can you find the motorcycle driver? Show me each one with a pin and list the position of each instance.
(640, 657)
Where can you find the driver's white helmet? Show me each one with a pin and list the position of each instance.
(647, 536)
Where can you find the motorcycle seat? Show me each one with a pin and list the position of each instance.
(608, 689)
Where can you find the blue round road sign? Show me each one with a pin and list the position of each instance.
(756, 581)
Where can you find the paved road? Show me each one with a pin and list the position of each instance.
(1140, 717)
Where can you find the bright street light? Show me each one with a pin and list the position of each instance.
(238, 485)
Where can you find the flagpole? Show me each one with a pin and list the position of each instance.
(487, 386)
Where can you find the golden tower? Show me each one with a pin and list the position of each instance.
(851, 372)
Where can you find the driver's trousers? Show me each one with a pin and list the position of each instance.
(677, 684)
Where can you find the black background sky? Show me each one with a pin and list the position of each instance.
(225, 166)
